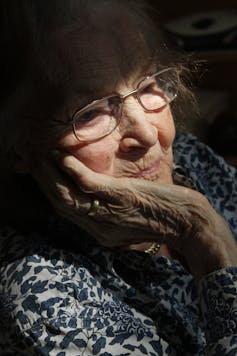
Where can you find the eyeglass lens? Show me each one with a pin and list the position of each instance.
(98, 119)
(156, 92)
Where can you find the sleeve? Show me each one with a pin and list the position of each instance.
(218, 303)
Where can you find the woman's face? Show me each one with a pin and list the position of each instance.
(140, 147)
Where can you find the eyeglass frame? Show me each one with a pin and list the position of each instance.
(122, 98)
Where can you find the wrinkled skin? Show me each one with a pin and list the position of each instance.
(130, 173)
(135, 210)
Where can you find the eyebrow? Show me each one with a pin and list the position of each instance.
(90, 94)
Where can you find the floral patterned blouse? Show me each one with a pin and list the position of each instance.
(88, 300)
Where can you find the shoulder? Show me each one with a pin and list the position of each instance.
(41, 288)
(36, 278)
(212, 175)
(193, 154)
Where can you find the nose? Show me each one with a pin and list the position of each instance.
(136, 126)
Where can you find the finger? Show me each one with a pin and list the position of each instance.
(88, 180)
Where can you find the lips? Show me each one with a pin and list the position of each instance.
(151, 172)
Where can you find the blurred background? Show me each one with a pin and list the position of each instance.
(208, 30)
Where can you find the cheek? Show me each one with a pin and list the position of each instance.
(99, 160)
(98, 156)
(166, 129)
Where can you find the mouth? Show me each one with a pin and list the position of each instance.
(150, 173)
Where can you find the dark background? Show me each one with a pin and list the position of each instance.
(218, 127)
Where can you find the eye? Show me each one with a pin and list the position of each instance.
(150, 86)
(88, 116)
(152, 96)
(146, 89)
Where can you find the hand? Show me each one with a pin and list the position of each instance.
(134, 211)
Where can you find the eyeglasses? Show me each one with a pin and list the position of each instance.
(102, 116)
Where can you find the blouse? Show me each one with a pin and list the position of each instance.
(63, 294)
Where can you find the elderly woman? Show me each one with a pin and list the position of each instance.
(117, 238)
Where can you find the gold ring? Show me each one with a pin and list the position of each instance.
(153, 249)
(94, 207)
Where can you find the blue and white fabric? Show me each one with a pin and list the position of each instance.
(63, 295)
